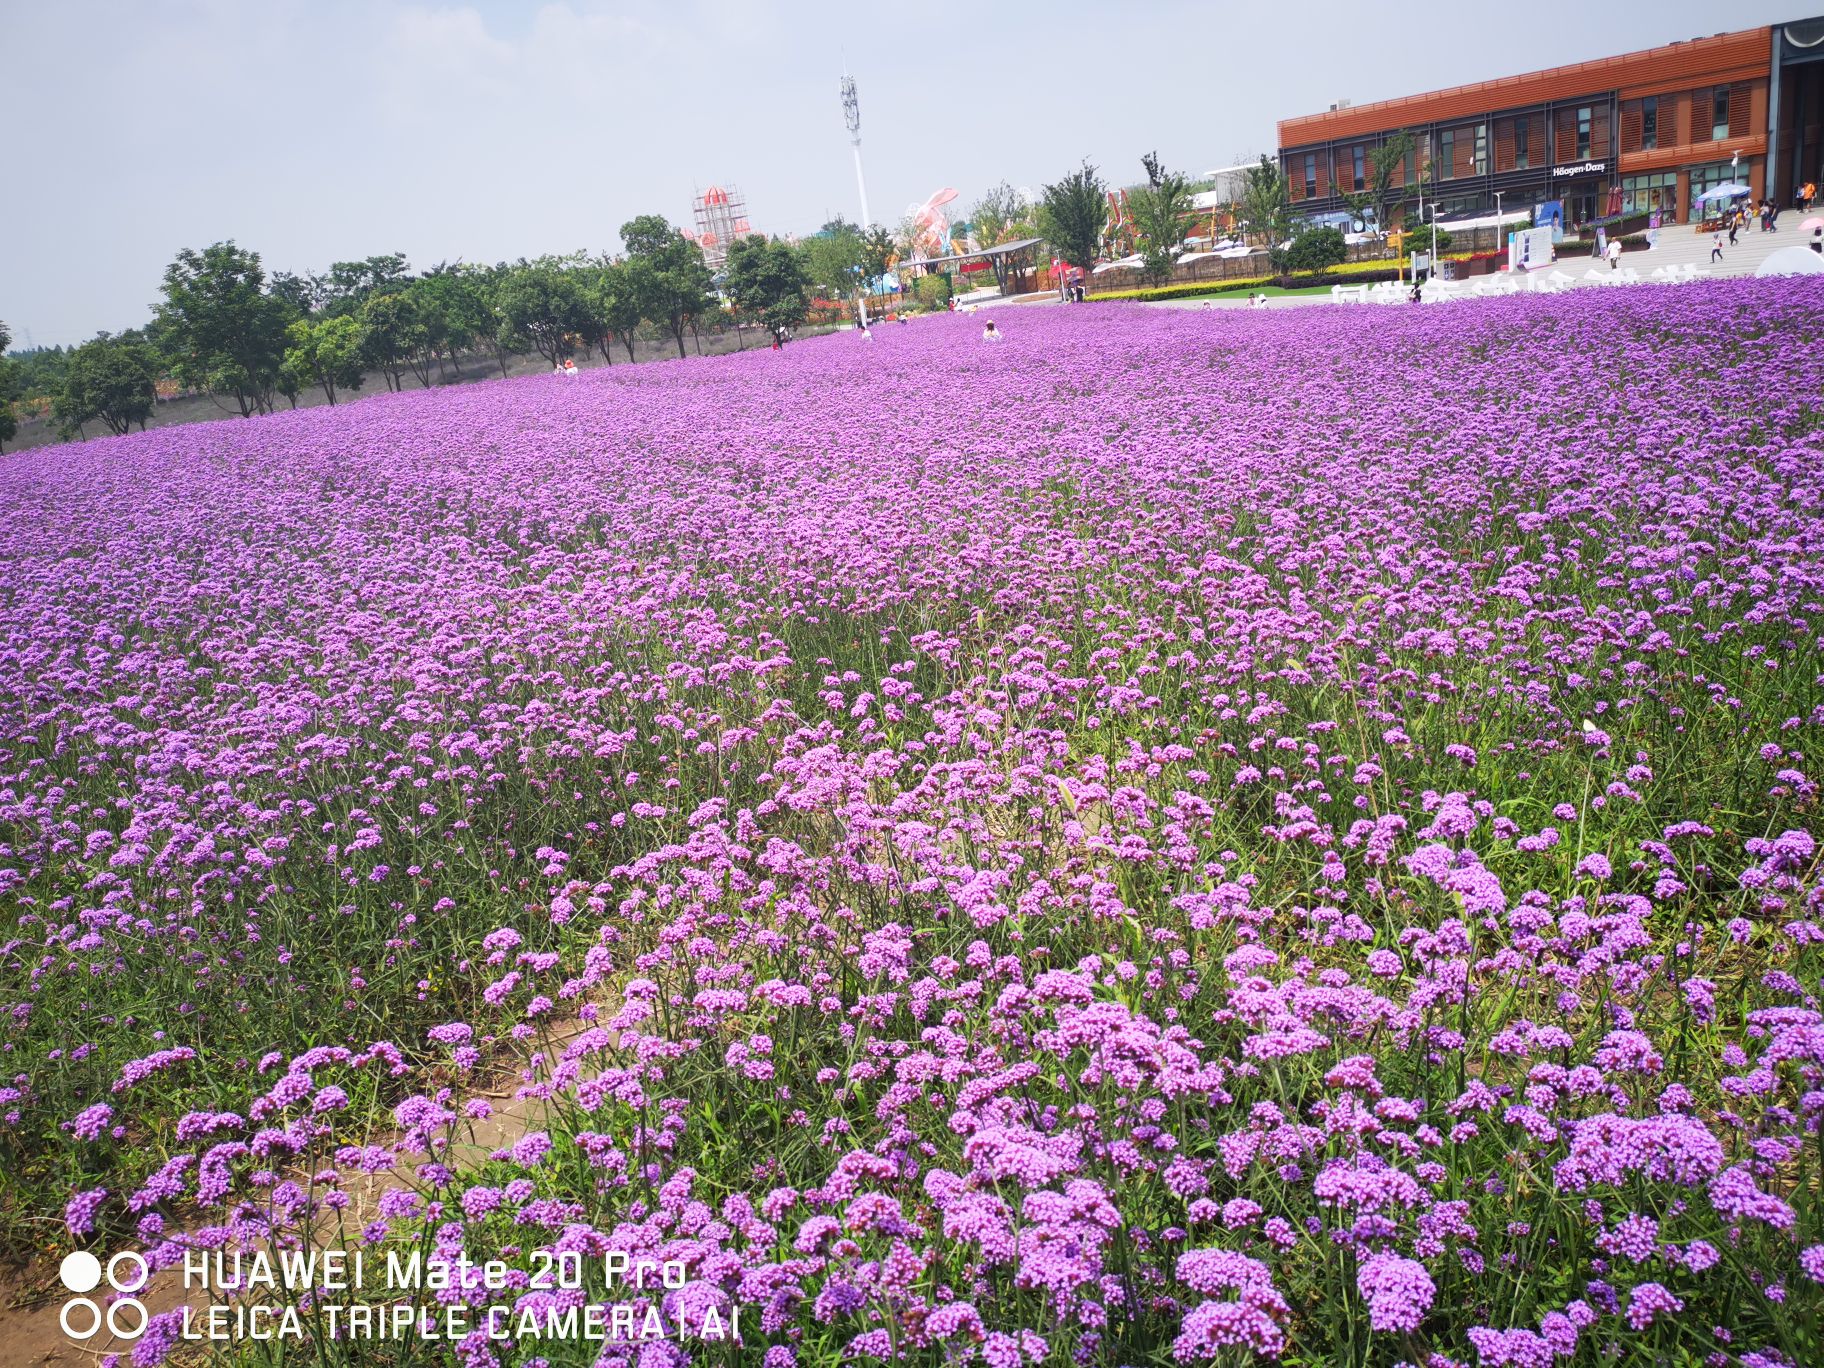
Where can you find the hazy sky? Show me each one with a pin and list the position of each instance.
(320, 130)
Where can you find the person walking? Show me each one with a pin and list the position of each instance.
(1735, 222)
(1807, 193)
(1614, 253)
(1716, 250)
(1817, 241)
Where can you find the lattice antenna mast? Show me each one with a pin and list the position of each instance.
(851, 115)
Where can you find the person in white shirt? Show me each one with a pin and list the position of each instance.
(866, 336)
(1614, 253)
(990, 333)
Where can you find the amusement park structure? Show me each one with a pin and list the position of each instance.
(721, 214)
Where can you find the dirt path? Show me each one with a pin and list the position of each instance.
(32, 1300)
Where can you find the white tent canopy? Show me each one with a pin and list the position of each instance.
(1491, 220)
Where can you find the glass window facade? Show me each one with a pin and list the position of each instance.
(1713, 174)
(1447, 154)
(1522, 151)
(1360, 167)
(1719, 114)
(1310, 174)
(1481, 149)
(1649, 122)
(1585, 119)
(1643, 194)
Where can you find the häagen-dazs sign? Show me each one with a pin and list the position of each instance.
(1582, 168)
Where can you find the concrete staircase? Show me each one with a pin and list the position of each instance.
(1679, 246)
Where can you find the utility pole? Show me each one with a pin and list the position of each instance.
(851, 114)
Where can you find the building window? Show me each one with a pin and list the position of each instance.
(1585, 117)
(1481, 149)
(1719, 114)
(1649, 123)
(1643, 194)
(1522, 153)
(1310, 175)
(1709, 177)
(1447, 153)
(1360, 160)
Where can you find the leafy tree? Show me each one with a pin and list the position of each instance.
(667, 273)
(1001, 215)
(10, 384)
(327, 352)
(834, 262)
(766, 280)
(542, 303)
(110, 379)
(1316, 250)
(495, 332)
(619, 303)
(350, 283)
(453, 308)
(1266, 201)
(877, 252)
(932, 291)
(1427, 238)
(307, 294)
(292, 380)
(1161, 212)
(1386, 176)
(1071, 215)
(226, 333)
(393, 332)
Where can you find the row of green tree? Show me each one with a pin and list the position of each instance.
(223, 326)
(1073, 214)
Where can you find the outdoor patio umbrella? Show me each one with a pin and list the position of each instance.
(1728, 191)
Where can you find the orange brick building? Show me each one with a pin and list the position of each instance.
(1646, 130)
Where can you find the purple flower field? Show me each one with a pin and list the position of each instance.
(1182, 838)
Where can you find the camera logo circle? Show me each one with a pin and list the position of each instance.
(81, 1317)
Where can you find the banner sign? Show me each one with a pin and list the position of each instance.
(1529, 249)
(1550, 214)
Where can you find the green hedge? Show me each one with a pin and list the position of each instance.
(1368, 272)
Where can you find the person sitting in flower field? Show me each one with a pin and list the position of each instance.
(990, 333)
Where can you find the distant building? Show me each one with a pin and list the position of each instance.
(1646, 130)
(721, 217)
